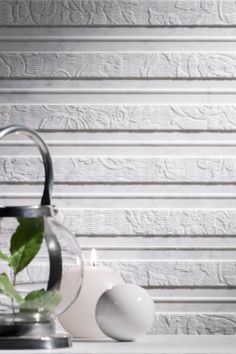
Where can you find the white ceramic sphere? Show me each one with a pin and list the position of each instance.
(125, 312)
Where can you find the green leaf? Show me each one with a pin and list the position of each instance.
(41, 301)
(26, 242)
(3, 256)
(8, 289)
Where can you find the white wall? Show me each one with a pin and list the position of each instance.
(137, 103)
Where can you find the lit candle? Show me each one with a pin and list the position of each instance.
(79, 320)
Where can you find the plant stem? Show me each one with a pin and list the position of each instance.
(14, 279)
(12, 301)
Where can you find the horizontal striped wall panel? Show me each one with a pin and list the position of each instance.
(171, 222)
(177, 273)
(120, 169)
(157, 274)
(117, 13)
(194, 323)
(121, 117)
(110, 65)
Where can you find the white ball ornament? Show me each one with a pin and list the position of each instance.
(125, 312)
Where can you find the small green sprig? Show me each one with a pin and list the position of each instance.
(24, 246)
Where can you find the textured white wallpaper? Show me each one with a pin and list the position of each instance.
(137, 102)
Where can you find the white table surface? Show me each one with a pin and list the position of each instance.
(149, 345)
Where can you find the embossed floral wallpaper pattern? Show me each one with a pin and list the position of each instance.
(136, 99)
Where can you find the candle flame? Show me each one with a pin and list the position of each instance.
(94, 259)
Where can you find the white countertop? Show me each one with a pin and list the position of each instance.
(148, 345)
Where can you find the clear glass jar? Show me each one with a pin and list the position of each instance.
(41, 268)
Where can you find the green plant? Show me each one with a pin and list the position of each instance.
(25, 244)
